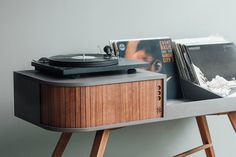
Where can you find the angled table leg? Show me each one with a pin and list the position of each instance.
(232, 118)
(99, 144)
(205, 135)
(206, 139)
(61, 144)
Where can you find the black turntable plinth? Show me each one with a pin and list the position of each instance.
(79, 64)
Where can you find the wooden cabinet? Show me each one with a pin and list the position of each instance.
(91, 106)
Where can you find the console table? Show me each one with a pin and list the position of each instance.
(28, 107)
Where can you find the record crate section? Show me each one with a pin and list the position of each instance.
(91, 106)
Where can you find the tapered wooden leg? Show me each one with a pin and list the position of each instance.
(206, 139)
(205, 135)
(232, 118)
(61, 144)
(99, 144)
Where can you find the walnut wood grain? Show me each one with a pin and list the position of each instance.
(206, 139)
(194, 150)
(70, 107)
(99, 144)
(232, 118)
(205, 135)
(77, 107)
(61, 145)
(91, 106)
(44, 104)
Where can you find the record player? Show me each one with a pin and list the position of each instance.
(117, 96)
(80, 64)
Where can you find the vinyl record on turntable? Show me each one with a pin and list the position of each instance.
(74, 65)
(82, 60)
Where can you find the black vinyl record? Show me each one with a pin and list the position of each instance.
(82, 60)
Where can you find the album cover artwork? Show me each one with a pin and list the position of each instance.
(214, 59)
(209, 62)
(158, 52)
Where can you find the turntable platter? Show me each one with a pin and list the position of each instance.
(72, 65)
(82, 60)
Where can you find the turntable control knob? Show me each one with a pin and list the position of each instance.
(108, 50)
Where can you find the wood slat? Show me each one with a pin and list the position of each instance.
(78, 107)
(92, 107)
(142, 112)
(150, 97)
(135, 102)
(60, 114)
(124, 102)
(87, 107)
(99, 106)
(53, 107)
(50, 104)
(70, 107)
(44, 104)
(109, 112)
(83, 107)
(128, 107)
(118, 106)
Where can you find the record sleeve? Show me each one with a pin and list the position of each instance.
(209, 62)
(214, 59)
(158, 52)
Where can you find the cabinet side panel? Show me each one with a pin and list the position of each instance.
(26, 98)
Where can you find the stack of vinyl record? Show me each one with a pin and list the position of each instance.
(202, 59)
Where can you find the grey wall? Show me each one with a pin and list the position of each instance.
(30, 29)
